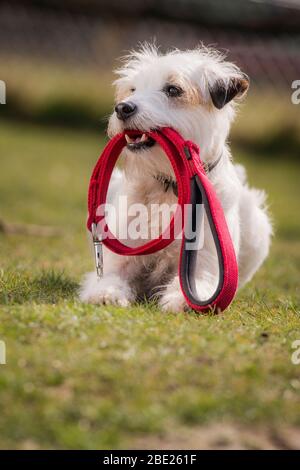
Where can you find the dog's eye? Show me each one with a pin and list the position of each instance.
(132, 90)
(172, 91)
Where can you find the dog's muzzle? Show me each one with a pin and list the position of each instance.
(125, 110)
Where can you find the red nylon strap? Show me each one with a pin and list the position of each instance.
(187, 166)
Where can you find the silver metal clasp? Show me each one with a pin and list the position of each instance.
(98, 251)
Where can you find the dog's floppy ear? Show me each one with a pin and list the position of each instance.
(222, 92)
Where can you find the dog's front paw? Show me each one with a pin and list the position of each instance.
(110, 289)
(173, 300)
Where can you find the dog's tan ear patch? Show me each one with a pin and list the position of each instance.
(222, 93)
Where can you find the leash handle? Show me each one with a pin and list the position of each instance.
(193, 187)
(227, 264)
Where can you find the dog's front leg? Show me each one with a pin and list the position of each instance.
(172, 299)
(113, 287)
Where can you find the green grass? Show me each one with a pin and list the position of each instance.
(80, 376)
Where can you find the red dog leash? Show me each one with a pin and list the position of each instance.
(193, 188)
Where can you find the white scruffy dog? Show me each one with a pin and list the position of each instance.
(193, 92)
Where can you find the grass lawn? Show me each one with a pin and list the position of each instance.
(80, 376)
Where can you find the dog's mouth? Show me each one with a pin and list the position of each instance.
(137, 142)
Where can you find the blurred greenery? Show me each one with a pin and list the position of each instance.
(54, 94)
(82, 376)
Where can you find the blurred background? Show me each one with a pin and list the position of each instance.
(57, 59)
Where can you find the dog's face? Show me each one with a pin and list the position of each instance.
(190, 91)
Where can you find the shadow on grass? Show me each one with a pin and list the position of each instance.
(46, 287)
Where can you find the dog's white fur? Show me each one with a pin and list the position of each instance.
(141, 80)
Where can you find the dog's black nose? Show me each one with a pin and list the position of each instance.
(125, 110)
